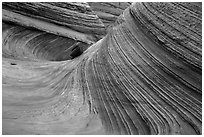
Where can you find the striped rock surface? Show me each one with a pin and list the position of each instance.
(74, 20)
(48, 31)
(143, 77)
(108, 12)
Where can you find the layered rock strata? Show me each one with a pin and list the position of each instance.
(143, 77)
(73, 20)
(48, 31)
(108, 12)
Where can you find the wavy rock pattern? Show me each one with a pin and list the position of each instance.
(57, 18)
(143, 77)
(30, 44)
(74, 20)
(108, 12)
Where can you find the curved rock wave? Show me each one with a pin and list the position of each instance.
(73, 20)
(31, 44)
(143, 77)
(62, 32)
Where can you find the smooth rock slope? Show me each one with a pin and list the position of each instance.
(143, 77)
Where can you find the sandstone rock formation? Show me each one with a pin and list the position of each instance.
(143, 77)
(108, 12)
